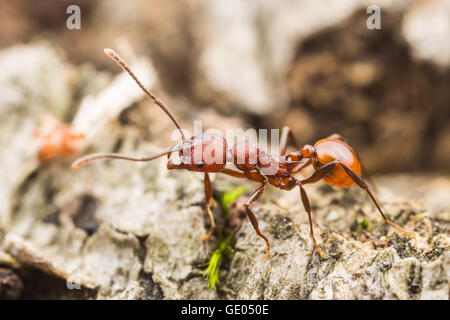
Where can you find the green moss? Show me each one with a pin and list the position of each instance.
(213, 266)
(365, 224)
(229, 197)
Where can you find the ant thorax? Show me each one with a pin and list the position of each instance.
(249, 156)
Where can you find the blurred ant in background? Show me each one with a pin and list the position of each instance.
(334, 161)
(57, 140)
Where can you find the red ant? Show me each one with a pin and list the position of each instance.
(333, 159)
(58, 140)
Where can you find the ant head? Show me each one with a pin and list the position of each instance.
(206, 153)
(308, 151)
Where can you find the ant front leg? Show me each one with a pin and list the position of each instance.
(253, 197)
(208, 201)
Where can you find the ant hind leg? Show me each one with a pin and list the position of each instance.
(360, 182)
(336, 136)
(366, 174)
(285, 134)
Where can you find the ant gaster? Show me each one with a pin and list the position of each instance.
(333, 159)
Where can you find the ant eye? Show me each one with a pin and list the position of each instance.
(200, 165)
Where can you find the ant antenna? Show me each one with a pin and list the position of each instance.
(98, 156)
(158, 102)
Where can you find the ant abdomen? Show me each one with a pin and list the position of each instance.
(329, 150)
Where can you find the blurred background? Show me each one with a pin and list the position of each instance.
(261, 64)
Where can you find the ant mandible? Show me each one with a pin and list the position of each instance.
(334, 161)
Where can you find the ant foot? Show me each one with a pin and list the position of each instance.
(320, 251)
(266, 257)
(396, 227)
(207, 236)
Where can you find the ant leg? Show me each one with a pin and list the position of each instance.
(336, 136)
(285, 134)
(209, 200)
(320, 173)
(233, 173)
(308, 211)
(360, 182)
(365, 172)
(253, 197)
(302, 166)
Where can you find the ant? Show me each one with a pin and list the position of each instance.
(335, 162)
(57, 139)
